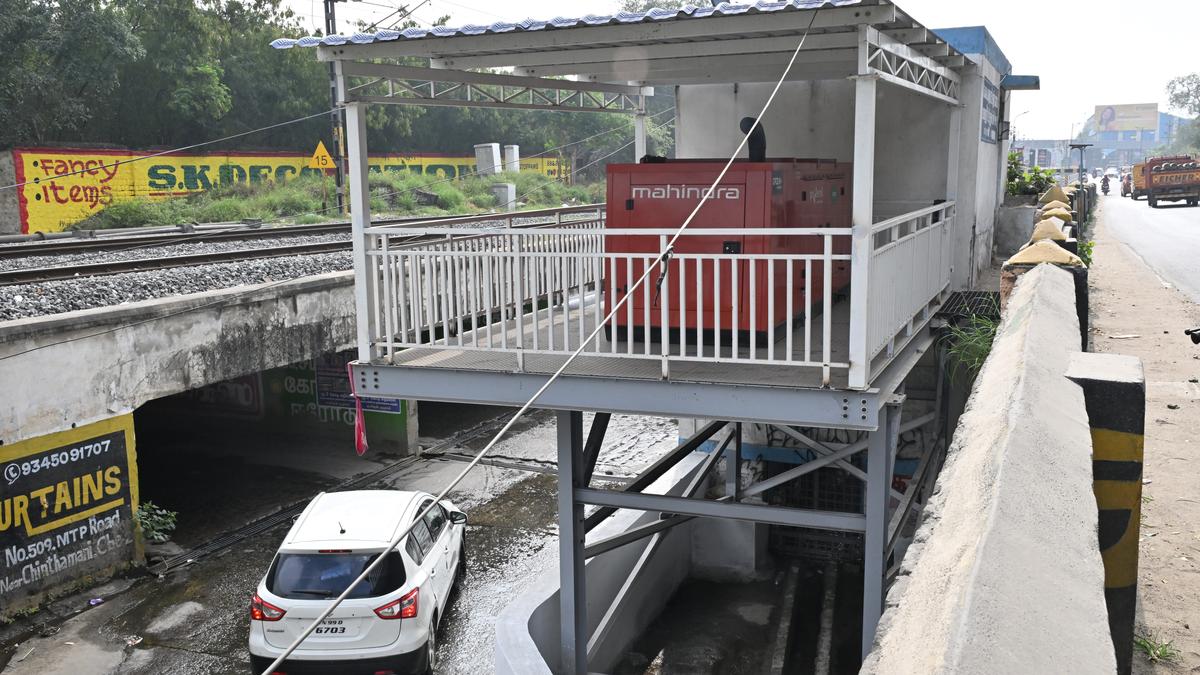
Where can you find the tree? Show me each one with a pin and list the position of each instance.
(1184, 93)
(61, 66)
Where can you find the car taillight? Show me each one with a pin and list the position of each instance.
(404, 608)
(261, 610)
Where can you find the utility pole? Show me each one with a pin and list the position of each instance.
(336, 118)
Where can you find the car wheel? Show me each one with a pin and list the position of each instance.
(460, 572)
(431, 647)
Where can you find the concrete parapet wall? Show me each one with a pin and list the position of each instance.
(1005, 574)
(70, 369)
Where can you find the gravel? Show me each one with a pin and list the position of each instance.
(143, 251)
(52, 297)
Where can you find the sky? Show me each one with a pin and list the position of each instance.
(1100, 52)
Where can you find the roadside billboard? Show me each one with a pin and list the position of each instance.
(1127, 117)
(62, 186)
(66, 509)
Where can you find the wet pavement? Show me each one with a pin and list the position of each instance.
(194, 621)
(710, 628)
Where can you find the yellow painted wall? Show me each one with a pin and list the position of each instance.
(55, 196)
(66, 508)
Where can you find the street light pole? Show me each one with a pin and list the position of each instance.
(1080, 147)
(336, 120)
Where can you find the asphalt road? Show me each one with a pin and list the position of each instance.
(1166, 238)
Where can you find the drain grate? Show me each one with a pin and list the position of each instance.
(963, 304)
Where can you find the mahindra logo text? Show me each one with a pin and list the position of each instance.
(686, 192)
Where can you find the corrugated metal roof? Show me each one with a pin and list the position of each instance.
(654, 15)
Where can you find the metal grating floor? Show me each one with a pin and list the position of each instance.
(964, 304)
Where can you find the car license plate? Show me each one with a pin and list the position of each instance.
(336, 628)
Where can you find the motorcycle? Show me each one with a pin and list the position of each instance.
(1104, 186)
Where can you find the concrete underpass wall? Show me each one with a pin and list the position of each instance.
(626, 590)
(1005, 574)
(10, 209)
(66, 370)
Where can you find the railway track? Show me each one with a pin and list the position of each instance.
(96, 268)
(233, 233)
(37, 274)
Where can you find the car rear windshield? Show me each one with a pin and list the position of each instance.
(307, 576)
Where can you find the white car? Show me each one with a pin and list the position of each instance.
(389, 623)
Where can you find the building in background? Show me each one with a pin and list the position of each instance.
(1127, 133)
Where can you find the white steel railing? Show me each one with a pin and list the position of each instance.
(909, 272)
(544, 289)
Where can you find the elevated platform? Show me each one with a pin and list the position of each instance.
(607, 379)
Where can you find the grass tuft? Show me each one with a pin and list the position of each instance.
(1155, 650)
(969, 344)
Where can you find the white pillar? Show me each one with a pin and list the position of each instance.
(360, 220)
(862, 215)
(639, 136)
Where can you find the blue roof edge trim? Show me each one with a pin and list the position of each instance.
(976, 40)
(653, 15)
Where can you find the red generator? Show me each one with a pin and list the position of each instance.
(777, 193)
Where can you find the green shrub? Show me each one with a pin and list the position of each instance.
(156, 522)
(224, 210)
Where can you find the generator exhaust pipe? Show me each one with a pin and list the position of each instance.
(758, 140)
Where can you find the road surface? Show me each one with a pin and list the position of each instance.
(1166, 238)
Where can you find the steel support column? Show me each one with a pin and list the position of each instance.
(880, 446)
(572, 591)
(862, 214)
(733, 464)
(360, 220)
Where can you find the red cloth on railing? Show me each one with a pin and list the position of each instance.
(360, 426)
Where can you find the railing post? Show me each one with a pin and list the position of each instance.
(862, 218)
(360, 220)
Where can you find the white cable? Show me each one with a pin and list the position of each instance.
(558, 373)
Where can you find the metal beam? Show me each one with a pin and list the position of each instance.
(796, 472)
(395, 72)
(673, 398)
(910, 35)
(652, 32)
(572, 593)
(766, 72)
(458, 103)
(733, 465)
(591, 451)
(764, 46)
(703, 508)
(632, 535)
(659, 467)
(746, 64)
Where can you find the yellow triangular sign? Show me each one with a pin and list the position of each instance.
(321, 158)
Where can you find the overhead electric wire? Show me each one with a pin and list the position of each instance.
(663, 257)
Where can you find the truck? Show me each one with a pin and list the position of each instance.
(1173, 179)
(1138, 181)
